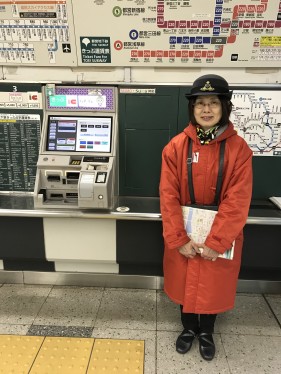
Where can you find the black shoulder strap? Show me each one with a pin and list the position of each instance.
(219, 180)
(220, 173)
(189, 171)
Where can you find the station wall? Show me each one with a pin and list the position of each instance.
(151, 124)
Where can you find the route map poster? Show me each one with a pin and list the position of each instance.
(256, 116)
(213, 33)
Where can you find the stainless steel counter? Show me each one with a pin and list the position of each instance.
(262, 212)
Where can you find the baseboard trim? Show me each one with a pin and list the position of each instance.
(118, 281)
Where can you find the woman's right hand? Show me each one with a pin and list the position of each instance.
(189, 250)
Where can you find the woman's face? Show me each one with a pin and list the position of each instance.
(207, 111)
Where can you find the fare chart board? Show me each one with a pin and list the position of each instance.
(20, 127)
(37, 32)
(213, 33)
(19, 144)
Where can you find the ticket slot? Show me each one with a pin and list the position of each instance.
(56, 195)
(99, 159)
(72, 195)
(72, 177)
(53, 178)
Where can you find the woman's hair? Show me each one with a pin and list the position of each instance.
(226, 106)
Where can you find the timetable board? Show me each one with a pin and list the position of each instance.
(37, 33)
(20, 128)
(182, 33)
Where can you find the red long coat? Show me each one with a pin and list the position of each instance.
(203, 286)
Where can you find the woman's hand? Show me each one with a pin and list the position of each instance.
(189, 250)
(208, 253)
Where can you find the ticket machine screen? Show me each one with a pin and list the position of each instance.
(79, 134)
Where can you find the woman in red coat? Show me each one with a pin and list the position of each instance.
(205, 164)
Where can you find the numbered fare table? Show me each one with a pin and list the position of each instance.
(19, 148)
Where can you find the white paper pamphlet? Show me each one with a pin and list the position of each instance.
(198, 223)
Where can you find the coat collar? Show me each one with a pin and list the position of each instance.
(229, 131)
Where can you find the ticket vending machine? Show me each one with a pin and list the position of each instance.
(77, 164)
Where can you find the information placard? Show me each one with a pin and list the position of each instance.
(191, 33)
(19, 148)
(20, 126)
(37, 32)
(256, 115)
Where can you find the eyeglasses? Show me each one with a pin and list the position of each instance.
(214, 104)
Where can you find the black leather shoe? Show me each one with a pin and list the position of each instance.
(207, 347)
(184, 341)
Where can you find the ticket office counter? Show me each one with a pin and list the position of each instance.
(127, 243)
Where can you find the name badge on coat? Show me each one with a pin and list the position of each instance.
(195, 157)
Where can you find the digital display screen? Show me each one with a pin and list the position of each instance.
(79, 134)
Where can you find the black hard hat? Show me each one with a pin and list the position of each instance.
(210, 84)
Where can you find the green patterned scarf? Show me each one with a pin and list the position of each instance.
(206, 136)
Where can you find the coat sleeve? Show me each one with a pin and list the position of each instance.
(234, 207)
(173, 227)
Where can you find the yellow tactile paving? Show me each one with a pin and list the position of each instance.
(117, 356)
(17, 353)
(56, 355)
(63, 356)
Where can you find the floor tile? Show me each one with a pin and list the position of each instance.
(18, 353)
(132, 309)
(13, 329)
(82, 332)
(70, 306)
(59, 355)
(251, 315)
(251, 354)
(168, 314)
(20, 303)
(149, 338)
(171, 362)
(117, 356)
(275, 303)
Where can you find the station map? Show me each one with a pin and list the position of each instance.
(256, 116)
(180, 33)
(198, 223)
(238, 33)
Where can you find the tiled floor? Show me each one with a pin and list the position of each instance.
(248, 339)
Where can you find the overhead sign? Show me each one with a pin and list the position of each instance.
(214, 33)
(37, 33)
(95, 50)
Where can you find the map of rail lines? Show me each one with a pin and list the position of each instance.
(256, 116)
(230, 33)
(180, 33)
(198, 223)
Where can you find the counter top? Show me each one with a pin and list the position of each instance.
(261, 212)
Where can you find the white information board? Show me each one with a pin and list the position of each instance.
(213, 33)
(37, 32)
(207, 33)
(256, 116)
